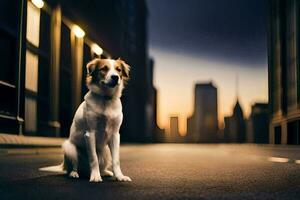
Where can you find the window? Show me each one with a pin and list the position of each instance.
(37, 70)
(30, 114)
(31, 68)
(31, 74)
(33, 24)
(277, 135)
(293, 132)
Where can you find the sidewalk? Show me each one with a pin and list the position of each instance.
(20, 141)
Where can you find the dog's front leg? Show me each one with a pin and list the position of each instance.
(90, 138)
(114, 146)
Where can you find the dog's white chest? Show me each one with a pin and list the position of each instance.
(108, 123)
(105, 117)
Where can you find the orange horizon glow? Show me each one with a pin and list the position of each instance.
(175, 76)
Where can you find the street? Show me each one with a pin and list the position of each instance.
(163, 171)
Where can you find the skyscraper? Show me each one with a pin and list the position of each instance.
(174, 130)
(258, 124)
(235, 127)
(157, 134)
(284, 71)
(203, 124)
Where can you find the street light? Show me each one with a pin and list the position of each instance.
(78, 31)
(96, 49)
(38, 3)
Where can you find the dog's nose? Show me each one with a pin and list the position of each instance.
(115, 78)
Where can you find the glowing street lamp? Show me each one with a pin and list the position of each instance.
(38, 3)
(78, 31)
(96, 49)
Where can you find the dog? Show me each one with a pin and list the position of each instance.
(94, 133)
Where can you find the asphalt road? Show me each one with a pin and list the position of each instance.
(162, 171)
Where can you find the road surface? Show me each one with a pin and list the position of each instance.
(162, 171)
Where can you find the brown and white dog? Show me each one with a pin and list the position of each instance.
(94, 134)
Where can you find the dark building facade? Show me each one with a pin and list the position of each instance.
(203, 124)
(235, 127)
(157, 134)
(258, 124)
(44, 53)
(137, 103)
(284, 71)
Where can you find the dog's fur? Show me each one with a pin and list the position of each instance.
(94, 133)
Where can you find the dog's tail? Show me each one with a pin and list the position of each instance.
(57, 168)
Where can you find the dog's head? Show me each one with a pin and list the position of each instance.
(107, 76)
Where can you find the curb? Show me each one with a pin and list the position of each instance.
(20, 141)
(30, 151)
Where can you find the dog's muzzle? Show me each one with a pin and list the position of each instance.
(114, 80)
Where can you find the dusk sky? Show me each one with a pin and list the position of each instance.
(207, 40)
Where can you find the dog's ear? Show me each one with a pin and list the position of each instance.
(125, 69)
(91, 66)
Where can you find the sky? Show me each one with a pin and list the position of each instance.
(208, 40)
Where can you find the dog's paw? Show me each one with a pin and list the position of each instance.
(95, 177)
(123, 178)
(74, 174)
(107, 173)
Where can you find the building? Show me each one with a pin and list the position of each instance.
(258, 124)
(235, 127)
(203, 124)
(133, 15)
(174, 129)
(45, 48)
(189, 137)
(157, 134)
(284, 71)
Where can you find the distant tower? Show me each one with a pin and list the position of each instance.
(238, 116)
(203, 124)
(174, 130)
(235, 126)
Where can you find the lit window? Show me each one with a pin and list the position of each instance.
(30, 114)
(31, 74)
(33, 24)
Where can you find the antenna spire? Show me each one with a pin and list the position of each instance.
(237, 87)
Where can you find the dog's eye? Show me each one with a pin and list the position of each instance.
(104, 68)
(118, 69)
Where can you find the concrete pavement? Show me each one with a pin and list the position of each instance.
(164, 171)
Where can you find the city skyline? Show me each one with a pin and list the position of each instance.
(226, 40)
(170, 84)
